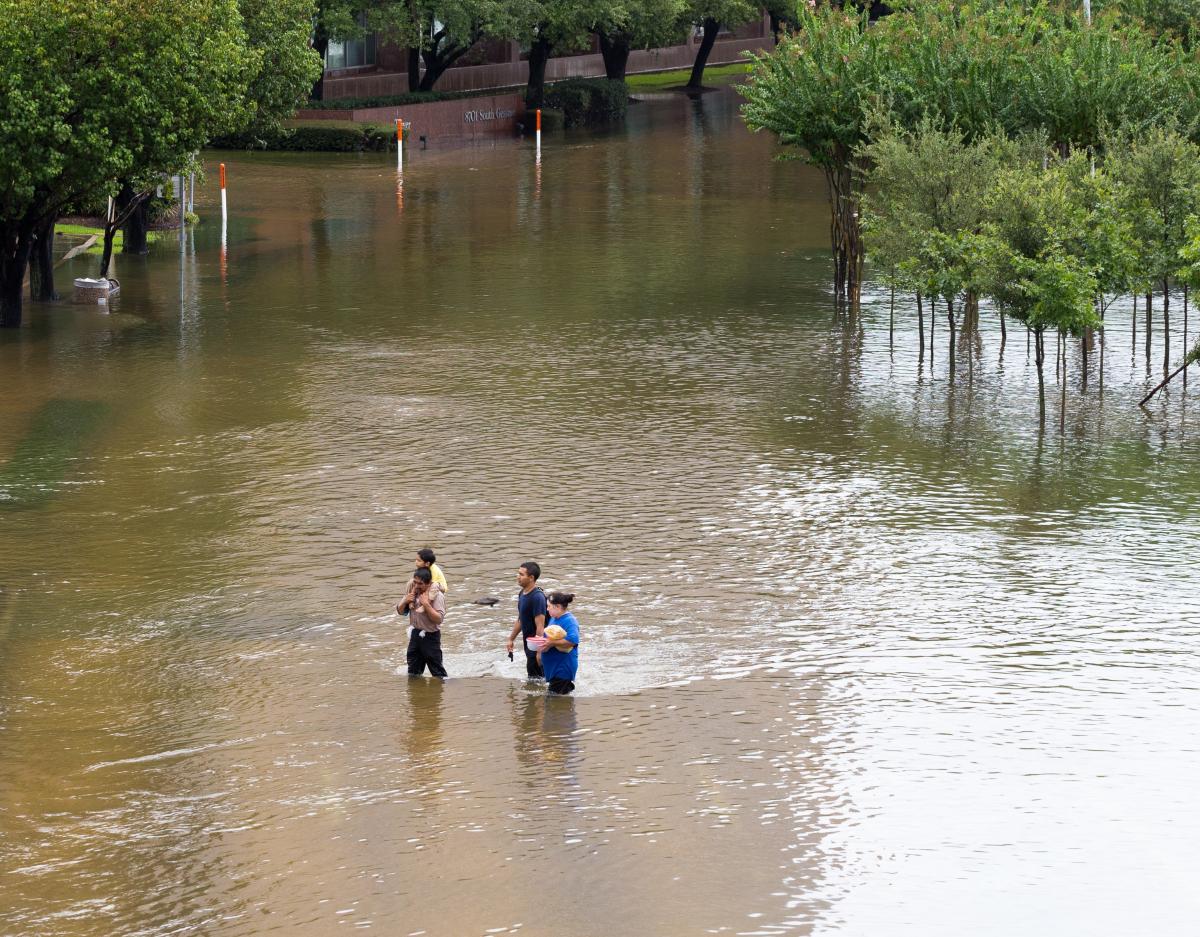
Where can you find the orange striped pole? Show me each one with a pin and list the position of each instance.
(224, 204)
(539, 133)
(400, 143)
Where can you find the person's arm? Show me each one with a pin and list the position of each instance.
(539, 622)
(560, 644)
(406, 602)
(430, 609)
(512, 635)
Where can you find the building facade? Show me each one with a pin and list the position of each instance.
(371, 67)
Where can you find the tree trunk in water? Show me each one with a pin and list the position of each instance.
(845, 235)
(321, 44)
(42, 273)
(615, 51)
(134, 229)
(539, 55)
(1149, 327)
(1039, 356)
(932, 326)
(892, 322)
(1134, 351)
(1083, 345)
(950, 322)
(920, 329)
(1003, 333)
(1166, 326)
(1185, 330)
(1100, 370)
(110, 232)
(14, 259)
(1062, 412)
(414, 68)
(711, 28)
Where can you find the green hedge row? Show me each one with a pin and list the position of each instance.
(338, 138)
(588, 102)
(395, 100)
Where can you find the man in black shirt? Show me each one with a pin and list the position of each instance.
(531, 615)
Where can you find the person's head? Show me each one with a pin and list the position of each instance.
(527, 574)
(422, 577)
(426, 557)
(558, 602)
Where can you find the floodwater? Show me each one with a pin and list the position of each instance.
(865, 652)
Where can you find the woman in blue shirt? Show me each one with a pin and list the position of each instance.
(560, 656)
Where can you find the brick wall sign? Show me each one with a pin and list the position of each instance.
(462, 118)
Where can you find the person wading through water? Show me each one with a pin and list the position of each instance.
(531, 615)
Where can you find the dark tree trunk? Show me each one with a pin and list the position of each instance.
(539, 55)
(845, 235)
(1149, 327)
(14, 260)
(1166, 326)
(1185, 330)
(438, 59)
(615, 50)
(414, 68)
(920, 329)
(892, 320)
(932, 326)
(110, 232)
(711, 28)
(1062, 412)
(775, 27)
(1039, 356)
(134, 229)
(1087, 335)
(950, 321)
(42, 273)
(321, 44)
(1134, 347)
(1003, 333)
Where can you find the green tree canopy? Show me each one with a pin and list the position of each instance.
(93, 92)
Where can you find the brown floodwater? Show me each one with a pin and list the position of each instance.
(864, 651)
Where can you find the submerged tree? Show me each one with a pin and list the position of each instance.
(927, 196)
(1027, 260)
(1021, 68)
(97, 91)
(711, 16)
(815, 92)
(1159, 172)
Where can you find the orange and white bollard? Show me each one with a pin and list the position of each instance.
(400, 144)
(538, 131)
(224, 203)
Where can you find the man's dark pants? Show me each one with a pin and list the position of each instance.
(423, 651)
(560, 686)
(532, 667)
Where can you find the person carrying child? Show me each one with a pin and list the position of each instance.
(425, 606)
(560, 653)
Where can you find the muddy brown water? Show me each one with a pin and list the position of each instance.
(864, 652)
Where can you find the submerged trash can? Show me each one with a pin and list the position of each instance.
(98, 290)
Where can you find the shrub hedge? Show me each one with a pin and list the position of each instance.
(395, 100)
(336, 138)
(588, 102)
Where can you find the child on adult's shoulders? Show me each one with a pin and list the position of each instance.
(428, 559)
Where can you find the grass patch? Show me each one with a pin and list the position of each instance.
(84, 231)
(679, 76)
